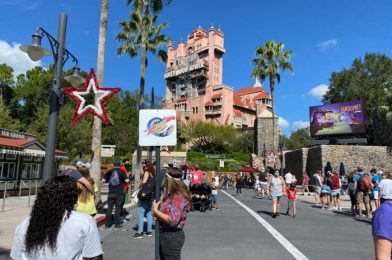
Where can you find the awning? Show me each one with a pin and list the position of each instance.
(29, 152)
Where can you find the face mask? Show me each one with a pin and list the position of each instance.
(276, 173)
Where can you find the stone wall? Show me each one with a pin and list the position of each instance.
(264, 135)
(311, 159)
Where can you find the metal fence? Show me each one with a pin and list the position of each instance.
(22, 184)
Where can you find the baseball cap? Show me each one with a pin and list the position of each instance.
(116, 162)
(78, 163)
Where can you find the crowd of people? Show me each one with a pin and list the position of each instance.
(66, 205)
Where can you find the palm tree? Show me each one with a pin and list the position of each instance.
(269, 60)
(97, 127)
(142, 32)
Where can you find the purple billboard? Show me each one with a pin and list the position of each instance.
(339, 118)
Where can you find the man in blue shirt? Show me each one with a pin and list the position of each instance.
(73, 172)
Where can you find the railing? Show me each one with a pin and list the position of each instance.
(26, 183)
(4, 193)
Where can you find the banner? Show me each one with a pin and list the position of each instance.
(336, 119)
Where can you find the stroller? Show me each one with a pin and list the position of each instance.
(201, 197)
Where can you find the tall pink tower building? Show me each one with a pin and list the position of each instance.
(195, 89)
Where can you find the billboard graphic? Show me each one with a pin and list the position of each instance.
(157, 127)
(339, 118)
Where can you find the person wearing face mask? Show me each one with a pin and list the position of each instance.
(276, 187)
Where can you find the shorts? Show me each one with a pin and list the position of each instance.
(362, 197)
(292, 202)
(214, 197)
(317, 189)
(325, 193)
(375, 194)
(263, 185)
(276, 197)
(336, 193)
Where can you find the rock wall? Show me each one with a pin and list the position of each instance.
(352, 156)
(263, 135)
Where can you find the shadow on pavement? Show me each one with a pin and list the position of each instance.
(269, 213)
(306, 202)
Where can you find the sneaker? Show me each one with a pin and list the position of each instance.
(294, 216)
(149, 234)
(137, 236)
(274, 215)
(277, 214)
(308, 194)
(287, 213)
(108, 226)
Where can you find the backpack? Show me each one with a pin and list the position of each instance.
(114, 178)
(147, 190)
(364, 183)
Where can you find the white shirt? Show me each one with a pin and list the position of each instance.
(78, 237)
(288, 178)
(216, 181)
(386, 186)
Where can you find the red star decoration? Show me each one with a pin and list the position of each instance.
(272, 158)
(98, 109)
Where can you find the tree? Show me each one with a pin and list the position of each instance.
(368, 79)
(298, 139)
(97, 127)
(210, 138)
(6, 121)
(141, 32)
(269, 60)
(32, 91)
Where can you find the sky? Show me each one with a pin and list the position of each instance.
(325, 36)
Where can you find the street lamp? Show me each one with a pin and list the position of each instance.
(60, 55)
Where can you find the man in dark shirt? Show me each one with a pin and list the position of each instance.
(116, 179)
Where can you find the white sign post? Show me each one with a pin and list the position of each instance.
(107, 150)
(157, 127)
(221, 163)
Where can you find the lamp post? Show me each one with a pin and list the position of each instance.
(60, 55)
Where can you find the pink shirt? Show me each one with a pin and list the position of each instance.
(197, 177)
(305, 180)
(177, 208)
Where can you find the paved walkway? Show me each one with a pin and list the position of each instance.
(234, 233)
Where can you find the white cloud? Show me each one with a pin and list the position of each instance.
(283, 123)
(327, 44)
(318, 91)
(300, 124)
(15, 58)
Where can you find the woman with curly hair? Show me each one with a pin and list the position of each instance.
(86, 200)
(171, 213)
(53, 230)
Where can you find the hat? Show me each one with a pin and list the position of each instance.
(174, 173)
(78, 163)
(380, 173)
(116, 162)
